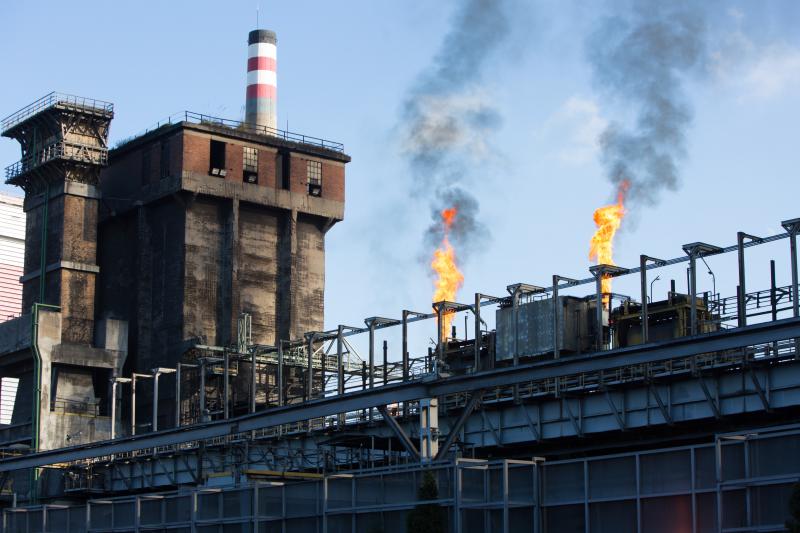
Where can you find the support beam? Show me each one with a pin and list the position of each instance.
(455, 429)
(488, 423)
(535, 431)
(709, 398)
(620, 420)
(663, 408)
(576, 425)
(760, 390)
(401, 435)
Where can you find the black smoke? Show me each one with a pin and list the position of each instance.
(643, 61)
(447, 119)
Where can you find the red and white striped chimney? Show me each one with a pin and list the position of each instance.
(261, 107)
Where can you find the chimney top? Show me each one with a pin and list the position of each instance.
(262, 36)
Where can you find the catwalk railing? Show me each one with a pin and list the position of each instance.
(55, 99)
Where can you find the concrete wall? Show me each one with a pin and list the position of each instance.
(206, 303)
(308, 278)
(257, 274)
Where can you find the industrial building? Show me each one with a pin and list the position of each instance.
(171, 369)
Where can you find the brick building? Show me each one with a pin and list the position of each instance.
(206, 219)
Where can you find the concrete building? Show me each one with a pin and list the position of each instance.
(12, 255)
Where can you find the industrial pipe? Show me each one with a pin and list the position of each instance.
(114, 382)
(133, 398)
(156, 373)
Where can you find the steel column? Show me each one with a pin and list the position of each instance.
(154, 425)
(643, 287)
(515, 304)
(793, 249)
(310, 372)
(202, 390)
(478, 336)
(226, 360)
(113, 409)
(340, 360)
(440, 336)
(792, 227)
(555, 317)
(385, 362)
(178, 368)
(371, 378)
(404, 346)
(281, 398)
(741, 297)
(693, 294)
(599, 311)
(253, 384)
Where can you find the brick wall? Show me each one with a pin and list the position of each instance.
(332, 177)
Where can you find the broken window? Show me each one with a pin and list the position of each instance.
(218, 159)
(314, 171)
(250, 164)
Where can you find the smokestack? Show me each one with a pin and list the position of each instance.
(261, 107)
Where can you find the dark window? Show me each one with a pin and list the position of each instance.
(282, 167)
(250, 164)
(218, 159)
(314, 171)
(165, 157)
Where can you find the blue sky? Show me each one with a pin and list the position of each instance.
(344, 71)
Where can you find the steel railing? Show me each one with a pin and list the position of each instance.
(51, 100)
(97, 155)
(238, 125)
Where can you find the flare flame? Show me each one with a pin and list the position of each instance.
(449, 277)
(608, 220)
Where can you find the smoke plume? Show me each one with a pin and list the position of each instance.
(643, 62)
(446, 119)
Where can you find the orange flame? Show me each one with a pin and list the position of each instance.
(449, 277)
(608, 220)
